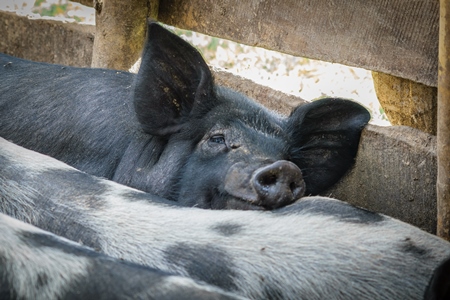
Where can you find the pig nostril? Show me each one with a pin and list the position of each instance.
(297, 188)
(293, 186)
(268, 180)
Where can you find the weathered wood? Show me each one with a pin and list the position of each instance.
(395, 174)
(46, 40)
(391, 34)
(120, 33)
(443, 133)
(398, 37)
(406, 102)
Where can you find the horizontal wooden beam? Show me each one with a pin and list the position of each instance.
(397, 37)
(46, 40)
(395, 174)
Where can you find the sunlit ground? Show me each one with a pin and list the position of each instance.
(303, 77)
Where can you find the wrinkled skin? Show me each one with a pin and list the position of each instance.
(171, 131)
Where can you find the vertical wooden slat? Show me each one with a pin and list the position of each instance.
(443, 126)
(120, 32)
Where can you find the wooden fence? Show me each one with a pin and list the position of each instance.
(396, 168)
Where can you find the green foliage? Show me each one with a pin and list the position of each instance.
(54, 10)
(58, 9)
(38, 3)
(383, 114)
(213, 44)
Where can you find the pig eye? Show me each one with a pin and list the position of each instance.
(217, 139)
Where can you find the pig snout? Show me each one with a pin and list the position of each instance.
(278, 184)
(270, 186)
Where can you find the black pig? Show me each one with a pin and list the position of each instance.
(171, 131)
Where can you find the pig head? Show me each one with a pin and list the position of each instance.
(171, 131)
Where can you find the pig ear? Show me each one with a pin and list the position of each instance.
(172, 78)
(324, 138)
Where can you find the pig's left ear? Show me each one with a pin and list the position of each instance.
(172, 79)
(324, 138)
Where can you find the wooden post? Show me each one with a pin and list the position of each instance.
(443, 126)
(120, 32)
(406, 102)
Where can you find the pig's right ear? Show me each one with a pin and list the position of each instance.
(324, 138)
(172, 79)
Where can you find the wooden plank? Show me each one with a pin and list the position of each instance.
(443, 127)
(397, 37)
(395, 174)
(46, 40)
